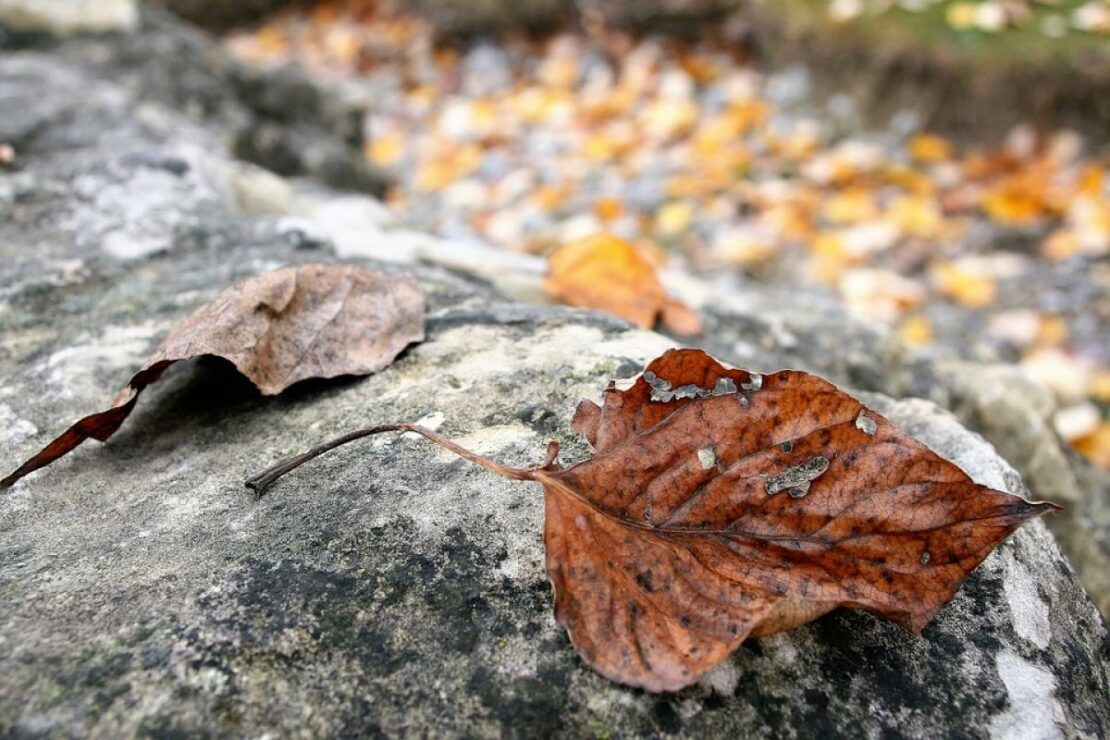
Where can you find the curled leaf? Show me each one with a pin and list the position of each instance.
(278, 328)
(723, 504)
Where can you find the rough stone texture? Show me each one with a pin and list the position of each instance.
(276, 118)
(221, 15)
(486, 16)
(66, 17)
(390, 587)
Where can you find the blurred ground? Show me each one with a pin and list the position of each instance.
(682, 148)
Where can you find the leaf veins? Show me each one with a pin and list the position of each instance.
(675, 542)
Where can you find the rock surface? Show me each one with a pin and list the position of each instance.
(67, 17)
(221, 15)
(276, 118)
(390, 587)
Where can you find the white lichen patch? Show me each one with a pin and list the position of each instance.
(722, 678)
(796, 479)
(124, 245)
(431, 421)
(662, 391)
(707, 457)
(1033, 708)
(481, 352)
(780, 648)
(13, 429)
(639, 345)
(1029, 612)
(118, 348)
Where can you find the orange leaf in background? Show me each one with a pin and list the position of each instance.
(964, 284)
(829, 256)
(608, 207)
(609, 274)
(917, 216)
(929, 148)
(384, 150)
(1096, 445)
(916, 331)
(1100, 386)
(980, 166)
(1013, 205)
(674, 217)
(850, 206)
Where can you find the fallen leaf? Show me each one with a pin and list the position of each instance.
(607, 273)
(916, 331)
(674, 218)
(965, 282)
(1096, 445)
(278, 328)
(680, 319)
(722, 504)
(929, 148)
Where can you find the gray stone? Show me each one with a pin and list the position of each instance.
(275, 118)
(67, 17)
(389, 587)
(221, 15)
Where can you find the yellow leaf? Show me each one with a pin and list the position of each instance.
(1092, 181)
(606, 273)
(1061, 244)
(608, 208)
(917, 216)
(964, 284)
(929, 148)
(598, 147)
(666, 118)
(1016, 202)
(1052, 330)
(916, 331)
(674, 218)
(961, 16)
(386, 149)
(1100, 386)
(1096, 445)
(849, 206)
(550, 197)
(829, 256)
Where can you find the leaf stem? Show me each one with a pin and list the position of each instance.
(266, 478)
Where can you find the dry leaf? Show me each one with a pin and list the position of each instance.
(607, 273)
(312, 321)
(722, 504)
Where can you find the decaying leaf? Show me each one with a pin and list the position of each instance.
(278, 328)
(722, 504)
(607, 273)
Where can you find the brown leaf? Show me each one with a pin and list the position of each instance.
(295, 323)
(609, 274)
(722, 504)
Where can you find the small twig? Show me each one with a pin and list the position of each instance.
(265, 479)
